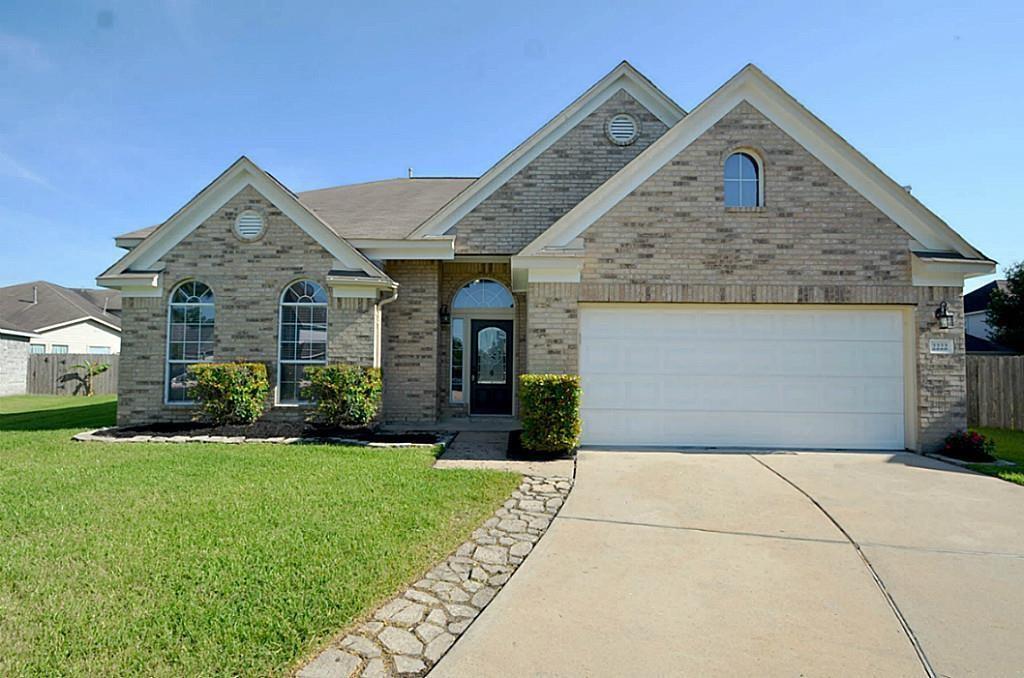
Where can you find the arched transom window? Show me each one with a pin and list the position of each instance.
(190, 321)
(303, 337)
(742, 181)
(483, 294)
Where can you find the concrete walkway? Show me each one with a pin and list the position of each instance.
(665, 563)
(489, 449)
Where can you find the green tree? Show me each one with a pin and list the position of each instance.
(1006, 310)
(90, 369)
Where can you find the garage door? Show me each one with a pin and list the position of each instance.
(762, 377)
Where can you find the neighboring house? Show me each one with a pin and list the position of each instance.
(734, 276)
(65, 320)
(14, 342)
(976, 325)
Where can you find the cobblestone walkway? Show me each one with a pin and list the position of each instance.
(410, 633)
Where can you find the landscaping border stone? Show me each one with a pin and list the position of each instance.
(102, 435)
(410, 633)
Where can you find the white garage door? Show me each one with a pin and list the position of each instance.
(762, 377)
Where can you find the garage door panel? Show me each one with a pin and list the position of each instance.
(658, 375)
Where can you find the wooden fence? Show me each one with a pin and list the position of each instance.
(995, 391)
(55, 374)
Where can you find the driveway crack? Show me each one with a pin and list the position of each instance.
(904, 624)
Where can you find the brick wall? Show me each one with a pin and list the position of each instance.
(816, 240)
(13, 365)
(557, 179)
(410, 343)
(247, 279)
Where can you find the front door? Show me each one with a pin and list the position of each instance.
(490, 367)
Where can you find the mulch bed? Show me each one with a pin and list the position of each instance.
(266, 429)
(517, 452)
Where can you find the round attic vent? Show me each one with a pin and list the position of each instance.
(249, 225)
(623, 129)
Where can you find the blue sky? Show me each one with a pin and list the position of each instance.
(114, 114)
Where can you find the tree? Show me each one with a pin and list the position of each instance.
(1006, 310)
(90, 369)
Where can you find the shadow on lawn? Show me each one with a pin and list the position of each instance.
(75, 415)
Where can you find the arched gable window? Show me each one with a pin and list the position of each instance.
(742, 181)
(303, 337)
(483, 294)
(190, 322)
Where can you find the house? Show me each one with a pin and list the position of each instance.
(14, 347)
(738, 275)
(976, 327)
(64, 319)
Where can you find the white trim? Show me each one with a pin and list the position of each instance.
(127, 243)
(622, 77)
(242, 173)
(754, 87)
(167, 341)
(18, 333)
(84, 318)
(758, 159)
(442, 247)
(545, 269)
(947, 272)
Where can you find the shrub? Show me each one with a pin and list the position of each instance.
(549, 406)
(344, 395)
(969, 446)
(230, 393)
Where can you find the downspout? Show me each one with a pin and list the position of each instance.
(379, 340)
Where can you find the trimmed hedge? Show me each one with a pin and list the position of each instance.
(549, 407)
(343, 395)
(230, 393)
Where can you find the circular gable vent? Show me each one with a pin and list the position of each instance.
(623, 129)
(249, 225)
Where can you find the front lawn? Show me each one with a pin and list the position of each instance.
(1009, 446)
(203, 559)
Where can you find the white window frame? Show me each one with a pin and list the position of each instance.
(280, 334)
(37, 349)
(103, 350)
(759, 166)
(54, 347)
(167, 341)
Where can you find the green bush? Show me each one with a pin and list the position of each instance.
(969, 446)
(549, 406)
(343, 395)
(230, 393)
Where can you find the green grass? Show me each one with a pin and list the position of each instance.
(202, 559)
(1009, 446)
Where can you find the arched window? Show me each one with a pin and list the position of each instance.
(742, 181)
(483, 294)
(190, 317)
(303, 337)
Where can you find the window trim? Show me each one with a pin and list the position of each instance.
(167, 341)
(754, 155)
(280, 327)
(54, 347)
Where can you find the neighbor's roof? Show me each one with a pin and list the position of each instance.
(387, 209)
(975, 344)
(52, 305)
(978, 299)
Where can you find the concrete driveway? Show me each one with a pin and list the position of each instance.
(667, 563)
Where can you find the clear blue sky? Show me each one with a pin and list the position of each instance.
(113, 115)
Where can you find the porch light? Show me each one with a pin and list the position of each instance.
(943, 315)
(446, 317)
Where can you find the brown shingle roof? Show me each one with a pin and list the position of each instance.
(40, 304)
(388, 209)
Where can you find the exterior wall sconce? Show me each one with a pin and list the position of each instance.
(944, 317)
(446, 317)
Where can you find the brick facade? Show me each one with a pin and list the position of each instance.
(13, 364)
(410, 326)
(815, 240)
(562, 175)
(247, 279)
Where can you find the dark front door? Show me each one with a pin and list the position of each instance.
(490, 367)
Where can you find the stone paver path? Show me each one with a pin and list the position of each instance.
(409, 634)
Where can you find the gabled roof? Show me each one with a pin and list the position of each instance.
(622, 77)
(753, 86)
(243, 172)
(40, 305)
(386, 209)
